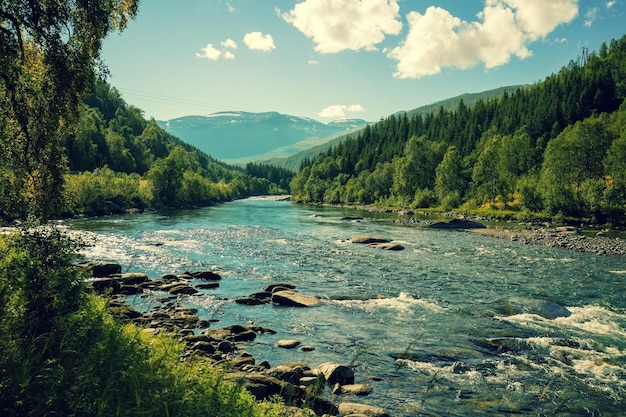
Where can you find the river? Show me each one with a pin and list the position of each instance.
(435, 329)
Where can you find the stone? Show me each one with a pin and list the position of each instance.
(386, 246)
(346, 409)
(104, 270)
(264, 387)
(205, 275)
(287, 343)
(356, 389)
(279, 287)
(258, 298)
(207, 285)
(543, 308)
(307, 348)
(287, 373)
(101, 285)
(367, 239)
(457, 224)
(134, 278)
(294, 299)
(336, 373)
(183, 289)
(205, 347)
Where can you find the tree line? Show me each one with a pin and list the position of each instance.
(557, 147)
(115, 159)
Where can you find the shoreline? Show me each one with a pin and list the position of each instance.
(564, 237)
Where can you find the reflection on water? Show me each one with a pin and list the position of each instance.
(431, 322)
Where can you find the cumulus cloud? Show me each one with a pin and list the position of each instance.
(214, 54)
(505, 28)
(338, 111)
(209, 52)
(610, 4)
(259, 41)
(229, 44)
(338, 25)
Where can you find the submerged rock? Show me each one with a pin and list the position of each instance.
(543, 308)
(346, 409)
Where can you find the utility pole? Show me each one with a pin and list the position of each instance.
(585, 57)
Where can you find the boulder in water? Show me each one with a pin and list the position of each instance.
(294, 299)
(543, 308)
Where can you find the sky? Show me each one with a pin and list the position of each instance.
(335, 59)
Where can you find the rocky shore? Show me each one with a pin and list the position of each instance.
(598, 242)
(327, 389)
(568, 238)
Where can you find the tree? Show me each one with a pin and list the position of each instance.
(49, 59)
(450, 182)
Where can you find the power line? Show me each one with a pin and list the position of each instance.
(205, 106)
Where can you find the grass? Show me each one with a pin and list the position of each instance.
(62, 353)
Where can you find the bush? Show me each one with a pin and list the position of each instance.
(64, 354)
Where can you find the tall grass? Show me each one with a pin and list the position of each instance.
(62, 353)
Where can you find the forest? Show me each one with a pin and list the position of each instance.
(116, 160)
(556, 148)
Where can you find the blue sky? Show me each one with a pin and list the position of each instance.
(332, 59)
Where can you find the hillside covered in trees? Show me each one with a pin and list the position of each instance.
(116, 159)
(557, 147)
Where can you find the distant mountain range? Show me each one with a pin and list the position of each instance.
(239, 137)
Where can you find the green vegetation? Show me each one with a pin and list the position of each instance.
(555, 148)
(64, 354)
(119, 160)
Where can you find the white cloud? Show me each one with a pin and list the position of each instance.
(229, 55)
(229, 44)
(590, 16)
(209, 52)
(610, 4)
(230, 7)
(337, 25)
(505, 28)
(259, 41)
(338, 111)
(313, 62)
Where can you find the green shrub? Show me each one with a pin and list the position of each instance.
(64, 354)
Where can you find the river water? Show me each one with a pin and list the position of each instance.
(451, 326)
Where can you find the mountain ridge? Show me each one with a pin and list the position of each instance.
(239, 136)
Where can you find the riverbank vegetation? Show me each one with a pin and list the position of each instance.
(556, 148)
(62, 353)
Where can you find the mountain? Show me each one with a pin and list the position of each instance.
(239, 136)
(293, 160)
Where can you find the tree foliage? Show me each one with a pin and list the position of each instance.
(555, 145)
(49, 55)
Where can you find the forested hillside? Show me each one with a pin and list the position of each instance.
(556, 147)
(118, 160)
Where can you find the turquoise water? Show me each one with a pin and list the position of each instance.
(427, 327)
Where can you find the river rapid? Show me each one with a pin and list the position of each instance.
(447, 327)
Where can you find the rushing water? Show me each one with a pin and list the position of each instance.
(440, 343)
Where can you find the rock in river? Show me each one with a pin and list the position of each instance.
(294, 299)
(543, 308)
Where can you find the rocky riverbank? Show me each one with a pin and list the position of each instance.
(323, 390)
(598, 242)
(561, 237)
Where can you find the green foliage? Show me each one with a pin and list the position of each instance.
(557, 145)
(49, 52)
(64, 354)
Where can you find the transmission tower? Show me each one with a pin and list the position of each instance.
(585, 57)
